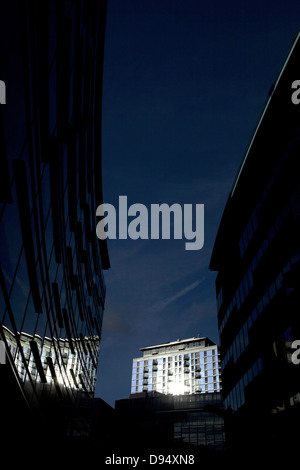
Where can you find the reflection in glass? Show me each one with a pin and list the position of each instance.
(75, 371)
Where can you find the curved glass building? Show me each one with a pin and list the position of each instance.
(52, 284)
(257, 258)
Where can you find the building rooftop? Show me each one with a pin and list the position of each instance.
(178, 342)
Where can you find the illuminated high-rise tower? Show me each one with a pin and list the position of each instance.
(176, 397)
(178, 368)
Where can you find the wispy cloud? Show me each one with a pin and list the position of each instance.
(161, 304)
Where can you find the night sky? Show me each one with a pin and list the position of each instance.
(185, 82)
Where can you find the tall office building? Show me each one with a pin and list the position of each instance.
(177, 368)
(52, 284)
(176, 401)
(257, 257)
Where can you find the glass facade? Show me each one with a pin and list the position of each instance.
(184, 367)
(200, 429)
(52, 283)
(257, 257)
(177, 422)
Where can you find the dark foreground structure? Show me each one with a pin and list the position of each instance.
(257, 257)
(52, 284)
(159, 424)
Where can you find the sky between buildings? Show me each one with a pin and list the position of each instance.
(185, 82)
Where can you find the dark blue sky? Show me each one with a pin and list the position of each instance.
(185, 82)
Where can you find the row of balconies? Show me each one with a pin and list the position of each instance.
(170, 372)
(170, 379)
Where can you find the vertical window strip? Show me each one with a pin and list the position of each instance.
(24, 214)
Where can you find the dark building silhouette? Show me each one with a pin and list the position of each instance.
(161, 422)
(52, 284)
(257, 257)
